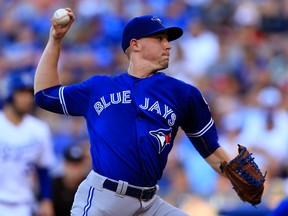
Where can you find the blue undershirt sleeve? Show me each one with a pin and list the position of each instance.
(207, 143)
(45, 183)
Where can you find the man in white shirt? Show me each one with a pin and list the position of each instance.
(26, 151)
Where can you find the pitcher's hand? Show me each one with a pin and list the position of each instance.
(57, 32)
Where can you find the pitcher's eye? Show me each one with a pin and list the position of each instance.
(160, 37)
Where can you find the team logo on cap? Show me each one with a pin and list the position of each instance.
(163, 137)
(154, 18)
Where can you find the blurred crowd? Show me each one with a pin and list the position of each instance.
(234, 51)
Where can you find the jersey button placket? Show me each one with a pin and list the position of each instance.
(139, 116)
(135, 89)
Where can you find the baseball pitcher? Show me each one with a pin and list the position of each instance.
(132, 120)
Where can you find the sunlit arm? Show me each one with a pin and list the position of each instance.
(215, 159)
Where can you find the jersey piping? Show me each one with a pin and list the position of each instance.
(62, 101)
(203, 131)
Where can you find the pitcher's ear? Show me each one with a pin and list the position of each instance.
(134, 44)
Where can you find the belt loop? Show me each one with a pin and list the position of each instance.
(157, 188)
(121, 188)
(142, 191)
(124, 188)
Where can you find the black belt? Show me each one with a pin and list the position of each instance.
(144, 195)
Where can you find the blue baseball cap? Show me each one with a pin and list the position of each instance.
(16, 82)
(144, 26)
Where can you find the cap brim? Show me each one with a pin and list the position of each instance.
(172, 32)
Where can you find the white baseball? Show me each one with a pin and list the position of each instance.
(61, 17)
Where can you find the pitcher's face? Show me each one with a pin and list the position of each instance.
(156, 49)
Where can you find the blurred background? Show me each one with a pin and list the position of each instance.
(234, 51)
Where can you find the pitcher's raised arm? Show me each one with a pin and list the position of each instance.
(47, 70)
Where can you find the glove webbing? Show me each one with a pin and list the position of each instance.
(247, 175)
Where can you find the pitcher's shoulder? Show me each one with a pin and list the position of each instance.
(175, 83)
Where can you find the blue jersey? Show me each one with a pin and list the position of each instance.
(132, 122)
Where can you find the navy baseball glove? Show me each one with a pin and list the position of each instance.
(245, 176)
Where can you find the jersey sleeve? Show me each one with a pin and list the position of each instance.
(69, 100)
(75, 98)
(199, 125)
